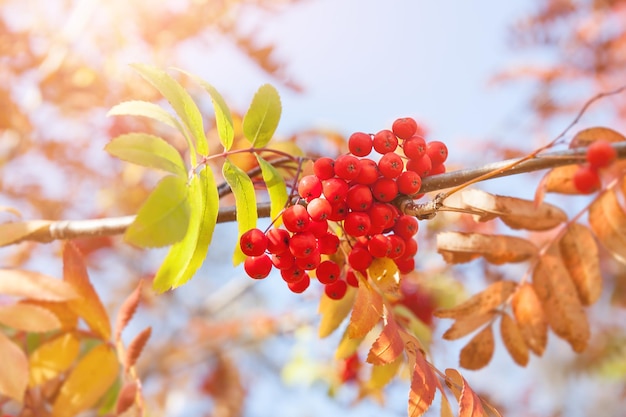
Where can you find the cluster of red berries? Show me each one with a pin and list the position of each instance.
(600, 154)
(347, 217)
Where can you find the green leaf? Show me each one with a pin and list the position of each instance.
(223, 118)
(261, 120)
(164, 217)
(186, 256)
(148, 151)
(180, 100)
(276, 188)
(145, 109)
(245, 202)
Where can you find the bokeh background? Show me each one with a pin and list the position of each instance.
(492, 79)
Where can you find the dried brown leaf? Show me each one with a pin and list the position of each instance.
(586, 136)
(559, 298)
(34, 285)
(466, 325)
(388, 346)
(608, 222)
(455, 382)
(513, 340)
(127, 311)
(561, 180)
(423, 386)
(136, 347)
(580, 256)
(457, 247)
(516, 213)
(530, 317)
(367, 311)
(481, 303)
(479, 351)
(126, 397)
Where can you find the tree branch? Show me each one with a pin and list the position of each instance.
(44, 232)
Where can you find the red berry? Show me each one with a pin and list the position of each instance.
(319, 209)
(359, 259)
(357, 224)
(277, 240)
(379, 246)
(300, 285)
(310, 187)
(391, 165)
(258, 267)
(292, 274)
(310, 262)
(410, 248)
(327, 272)
(328, 244)
(351, 278)
(253, 242)
(283, 261)
(409, 183)
(406, 226)
(336, 290)
(586, 179)
(385, 190)
(347, 167)
(340, 210)
(335, 189)
(437, 169)
(385, 141)
(359, 197)
(302, 244)
(404, 128)
(414, 147)
(323, 168)
(360, 144)
(405, 265)
(600, 154)
(296, 218)
(318, 228)
(422, 165)
(368, 174)
(437, 151)
(381, 216)
(397, 246)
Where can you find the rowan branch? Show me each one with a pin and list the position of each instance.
(44, 231)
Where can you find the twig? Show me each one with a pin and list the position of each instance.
(72, 229)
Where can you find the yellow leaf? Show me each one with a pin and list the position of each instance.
(608, 222)
(530, 318)
(481, 303)
(347, 346)
(513, 340)
(367, 311)
(383, 374)
(333, 312)
(563, 309)
(466, 325)
(457, 247)
(19, 283)
(52, 358)
(580, 255)
(478, 352)
(88, 382)
(384, 272)
(28, 318)
(88, 306)
(516, 213)
(14, 374)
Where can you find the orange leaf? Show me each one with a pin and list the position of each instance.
(563, 309)
(334, 312)
(11, 233)
(34, 285)
(466, 325)
(423, 386)
(52, 358)
(127, 311)
(458, 247)
(455, 382)
(580, 255)
(126, 398)
(14, 375)
(28, 318)
(136, 347)
(88, 306)
(60, 309)
(530, 318)
(561, 180)
(478, 352)
(608, 222)
(481, 303)
(388, 346)
(470, 404)
(88, 382)
(513, 340)
(367, 311)
(586, 136)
